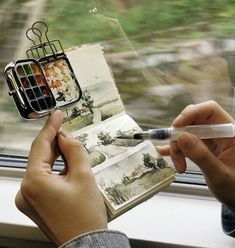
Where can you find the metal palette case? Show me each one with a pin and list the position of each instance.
(45, 80)
(29, 88)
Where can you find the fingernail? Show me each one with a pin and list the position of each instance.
(65, 134)
(162, 149)
(179, 167)
(158, 148)
(177, 120)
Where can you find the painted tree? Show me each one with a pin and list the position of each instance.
(125, 179)
(83, 139)
(120, 133)
(161, 163)
(105, 138)
(75, 112)
(67, 117)
(102, 183)
(87, 101)
(150, 161)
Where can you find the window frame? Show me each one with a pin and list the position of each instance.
(182, 204)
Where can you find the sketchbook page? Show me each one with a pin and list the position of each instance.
(100, 98)
(127, 171)
(137, 176)
(100, 140)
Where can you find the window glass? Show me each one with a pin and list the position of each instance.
(163, 55)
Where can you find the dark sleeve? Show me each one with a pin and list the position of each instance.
(99, 239)
(228, 220)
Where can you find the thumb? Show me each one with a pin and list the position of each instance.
(194, 149)
(74, 154)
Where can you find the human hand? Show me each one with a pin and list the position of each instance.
(215, 157)
(63, 205)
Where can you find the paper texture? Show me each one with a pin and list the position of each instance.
(127, 171)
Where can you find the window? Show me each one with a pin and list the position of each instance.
(164, 55)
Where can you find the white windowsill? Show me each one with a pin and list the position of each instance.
(172, 217)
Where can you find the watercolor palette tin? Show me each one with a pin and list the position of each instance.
(45, 80)
(39, 87)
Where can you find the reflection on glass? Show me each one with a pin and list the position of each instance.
(163, 55)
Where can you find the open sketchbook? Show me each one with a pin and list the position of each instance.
(127, 171)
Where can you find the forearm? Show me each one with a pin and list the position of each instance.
(228, 220)
(99, 239)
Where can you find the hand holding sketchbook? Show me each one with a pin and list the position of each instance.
(127, 171)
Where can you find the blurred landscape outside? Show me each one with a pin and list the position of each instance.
(163, 54)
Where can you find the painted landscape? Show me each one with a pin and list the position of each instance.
(101, 140)
(126, 170)
(98, 102)
(132, 177)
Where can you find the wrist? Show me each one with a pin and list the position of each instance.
(69, 233)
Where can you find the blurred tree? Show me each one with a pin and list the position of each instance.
(85, 22)
(125, 4)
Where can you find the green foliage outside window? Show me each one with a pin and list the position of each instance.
(78, 20)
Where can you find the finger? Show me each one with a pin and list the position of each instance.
(43, 147)
(163, 150)
(177, 157)
(74, 154)
(212, 145)
(198, 152)
(203, 113)
(52, 126)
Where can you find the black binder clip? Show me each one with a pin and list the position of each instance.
(45, 80)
